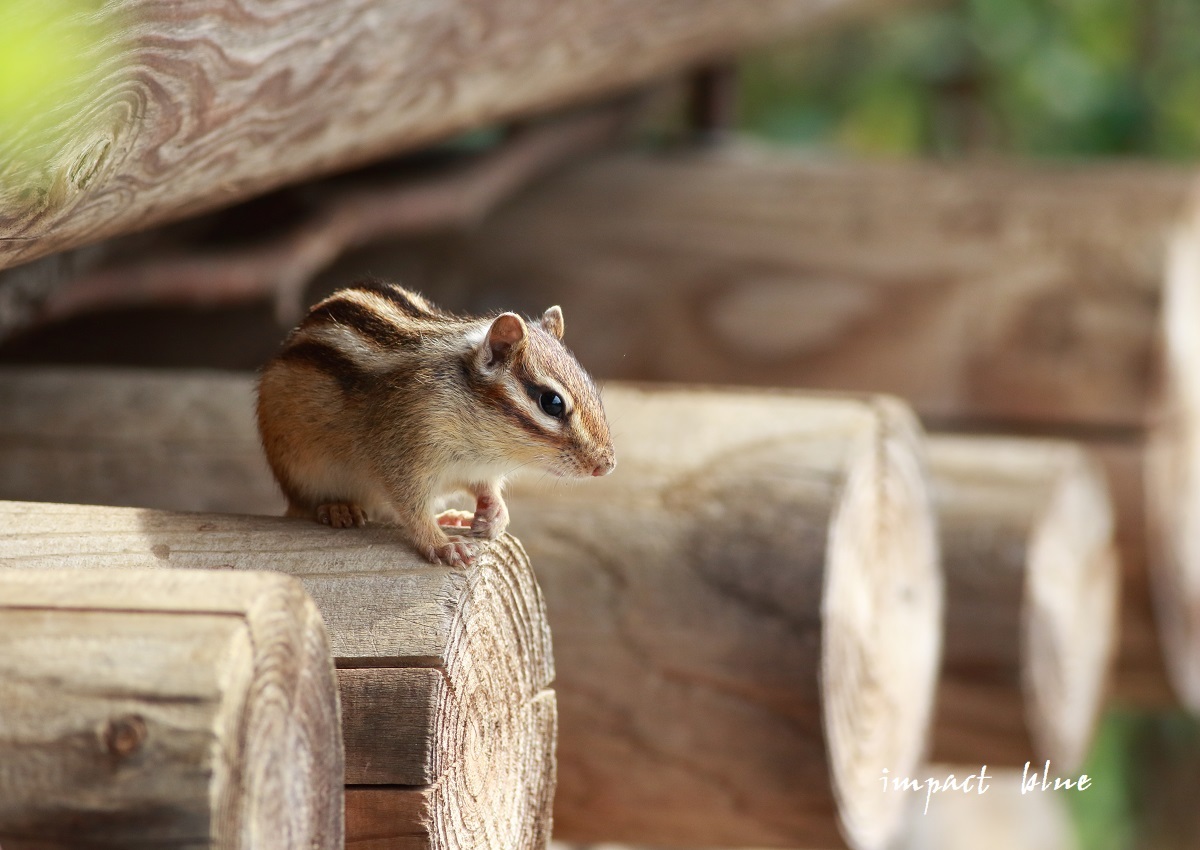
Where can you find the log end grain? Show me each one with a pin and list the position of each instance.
(496, 720)
(1070, 611)
(881, 614)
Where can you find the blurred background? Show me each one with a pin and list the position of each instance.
(1035, 78)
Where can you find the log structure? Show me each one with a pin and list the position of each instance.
(189, 109)
(990, 297)
(1031, 575)
(746, 614)
(448, 721)
(149, 709)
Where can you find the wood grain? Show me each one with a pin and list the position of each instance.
(181, 709)
(198, 105)
(469, 648)
(979, 293)
(686, 595)
(1032, 582)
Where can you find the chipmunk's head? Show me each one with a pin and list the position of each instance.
(538, 395)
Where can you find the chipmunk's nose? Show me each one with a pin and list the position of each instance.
(604, 467)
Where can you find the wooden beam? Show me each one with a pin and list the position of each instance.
(978, 293)
(197, 107)
(694, 596)
(185, 709)
(443, 673)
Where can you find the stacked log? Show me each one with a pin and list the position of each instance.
(142, 708)
(993, 298)
(247, 100)
(448, 720)
(1032, 578)
(747, 615)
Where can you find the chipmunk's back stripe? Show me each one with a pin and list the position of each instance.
(359, 318)
(401, 300)
(325, 358)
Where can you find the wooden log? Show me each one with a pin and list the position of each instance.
(190, 109)
(443, 673)
(149, 709)
(979, 293)
(746, 619)
(750, 541)
(1031, 572)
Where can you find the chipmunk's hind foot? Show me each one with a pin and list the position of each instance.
(341, 515)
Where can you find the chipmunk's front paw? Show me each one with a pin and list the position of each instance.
(455, 552)
(491, 517)
(341, 515)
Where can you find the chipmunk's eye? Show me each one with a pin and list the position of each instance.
(552, 404)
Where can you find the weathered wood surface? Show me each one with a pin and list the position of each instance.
(443, 673)
(197, 106)
(978, 293)
(150, 709)
(1031, 571)
(686, 593)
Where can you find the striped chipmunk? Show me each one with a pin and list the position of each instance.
(379, 406)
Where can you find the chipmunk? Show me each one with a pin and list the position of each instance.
(379, 405)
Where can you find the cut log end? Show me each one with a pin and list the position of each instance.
(294, 753)
(1069, 612)
(496, 719)
(882, 645)
(1032, 586)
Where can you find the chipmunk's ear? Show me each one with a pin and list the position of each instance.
(504, 338)
(552, 322)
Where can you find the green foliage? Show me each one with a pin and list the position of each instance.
(53, 54)
(1029, 77)
(1145, 768)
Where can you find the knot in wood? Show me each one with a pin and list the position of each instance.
(123, 736)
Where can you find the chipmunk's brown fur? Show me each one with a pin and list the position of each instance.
(379, 405)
